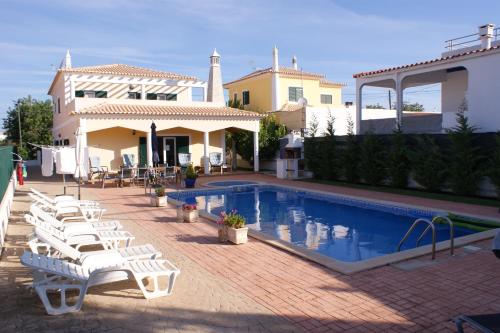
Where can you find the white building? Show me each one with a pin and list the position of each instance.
(469, 71)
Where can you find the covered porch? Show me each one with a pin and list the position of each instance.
(111, 136)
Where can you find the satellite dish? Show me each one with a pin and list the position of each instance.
(302, 101)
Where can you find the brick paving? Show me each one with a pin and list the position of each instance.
(256, 287)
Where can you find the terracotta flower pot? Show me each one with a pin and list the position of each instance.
(237, 236)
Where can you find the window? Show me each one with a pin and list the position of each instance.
(91, 93)
(161, 97)
(326, 99)
(197, 94)
(58, 105)
(295, 93)
(134, 95)
(246, 97)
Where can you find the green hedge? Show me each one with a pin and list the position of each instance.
(6, 168)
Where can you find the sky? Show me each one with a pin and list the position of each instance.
(334, 37)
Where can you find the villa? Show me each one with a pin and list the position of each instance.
(115, 105)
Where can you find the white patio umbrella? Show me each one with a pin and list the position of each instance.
(81, 170)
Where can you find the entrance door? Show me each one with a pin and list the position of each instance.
(169, 150)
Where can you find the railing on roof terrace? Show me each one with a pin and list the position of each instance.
(467, 40)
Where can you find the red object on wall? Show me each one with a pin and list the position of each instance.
(19, 172)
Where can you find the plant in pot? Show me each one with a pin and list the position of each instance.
(159, 199)
(190, 213)
(232, 228)
(191, 176)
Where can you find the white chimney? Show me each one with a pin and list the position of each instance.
(294, 62)
(215, 91)
(66, 63)
(486, 35)
(275, 82)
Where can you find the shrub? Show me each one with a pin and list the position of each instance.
(429, 168)
(160, 191)
(350, 155)
(311, 151)
(371, 166)
(464, 165)
(232, 219)
(494, 169)
(328, 152)
(398, 165)
(190, 172)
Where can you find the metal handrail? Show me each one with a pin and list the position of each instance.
(413, 226)
(452, 232)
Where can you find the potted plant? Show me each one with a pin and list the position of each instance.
(191, 176)
(232, 228)
(190, 213)
(159, 199)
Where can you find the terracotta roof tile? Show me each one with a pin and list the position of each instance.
(127, 70)
(286, 71)
(437, 60)
(166, 110)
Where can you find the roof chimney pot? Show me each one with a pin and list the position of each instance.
(294, 62)
(486, 35)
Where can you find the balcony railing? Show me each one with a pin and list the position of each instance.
(465, 41)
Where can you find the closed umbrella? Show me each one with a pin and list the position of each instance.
(154, 144)
(80, 171)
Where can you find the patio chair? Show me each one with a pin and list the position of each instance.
(126, 174)
(51, 274)
(66, 211)
(184, 159)
(63, 198)
(57, 249)
(486, 323)
(108, 239)
(215, 160)
(96, 168)
(129, 161)
(40, 215)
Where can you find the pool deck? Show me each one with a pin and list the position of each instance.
(255, 287)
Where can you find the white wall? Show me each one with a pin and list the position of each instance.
(453, 92)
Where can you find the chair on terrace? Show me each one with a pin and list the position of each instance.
(215, 160)
(96, 168)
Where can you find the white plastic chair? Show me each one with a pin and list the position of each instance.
(67, 211)
(51, 274)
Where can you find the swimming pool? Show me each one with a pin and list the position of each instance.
(343, 228)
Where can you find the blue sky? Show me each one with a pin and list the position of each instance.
(337, 38)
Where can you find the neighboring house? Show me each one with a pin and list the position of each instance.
(467, 72)
(115, 105)
(289, 92)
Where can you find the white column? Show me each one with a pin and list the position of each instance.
(206, 144)
(143, 92)
(149, 148)
(399, 102)
(359, 108)
(256, 151)
(223, 145)
(84, 144)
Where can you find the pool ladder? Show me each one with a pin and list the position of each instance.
(430, 226)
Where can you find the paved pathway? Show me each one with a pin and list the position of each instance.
(253, 287)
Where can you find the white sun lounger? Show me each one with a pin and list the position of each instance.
(66, 212)
(51, 274)
(108, 239)
(43, 216)
(54, 247)
(63, 198)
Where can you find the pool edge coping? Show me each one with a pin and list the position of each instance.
(363, 265)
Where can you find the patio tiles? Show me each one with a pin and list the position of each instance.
(264, 285)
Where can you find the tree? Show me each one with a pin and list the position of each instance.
(350, 156)
(328, 153)
(311, 151)
(269, 134)
(371, 167)
(415, 107)
(398, 161)
(36, 124)
(494, 169)
(374, 106)
(465, 160)
(429, 167)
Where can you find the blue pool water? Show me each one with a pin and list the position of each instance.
(230, 183)
(342, 228)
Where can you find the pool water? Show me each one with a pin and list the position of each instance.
(342, 228)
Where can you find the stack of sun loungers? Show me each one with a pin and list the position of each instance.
(72, 248)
